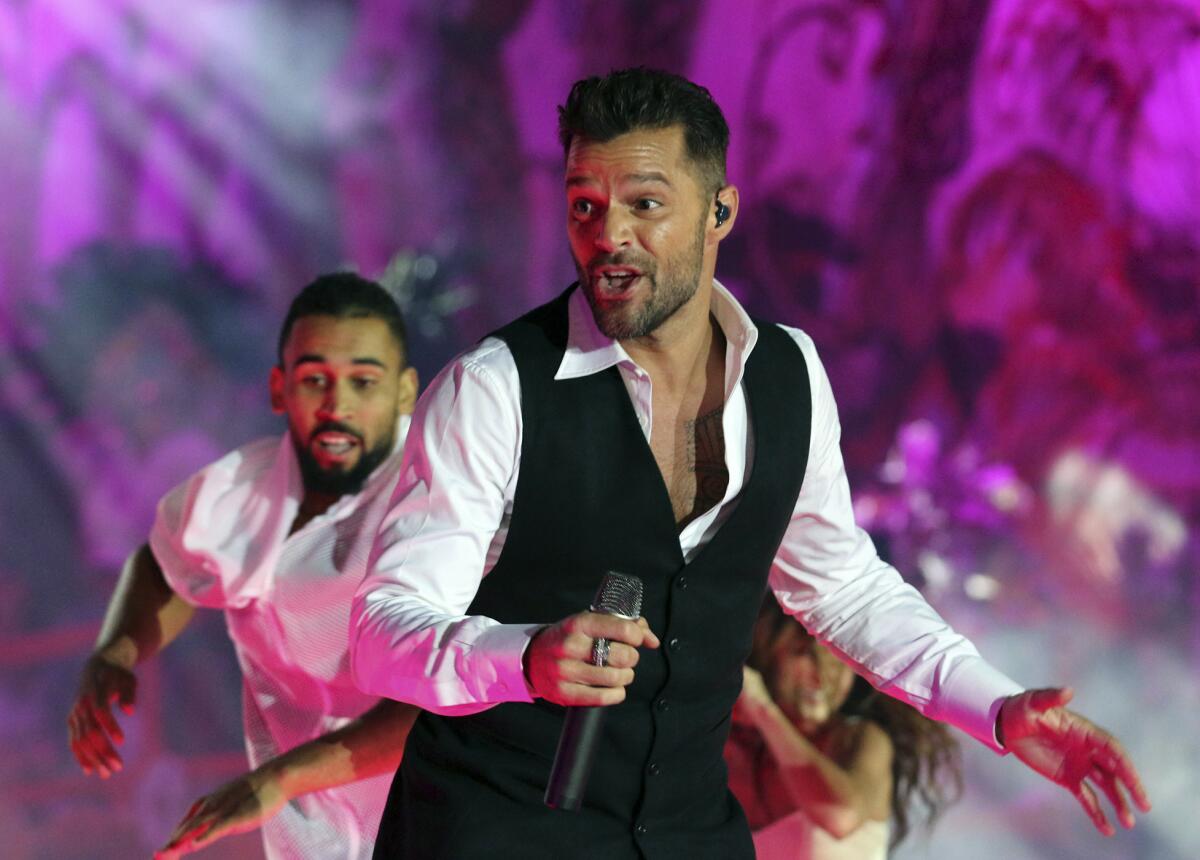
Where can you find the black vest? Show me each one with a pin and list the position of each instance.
(590, 498)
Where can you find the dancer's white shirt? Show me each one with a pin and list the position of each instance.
(449, 517)
(221, 538)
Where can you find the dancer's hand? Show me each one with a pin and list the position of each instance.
(240, 805)
(92, 729)
(754, 698)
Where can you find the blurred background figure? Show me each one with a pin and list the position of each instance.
(825, 767)
(276, 534)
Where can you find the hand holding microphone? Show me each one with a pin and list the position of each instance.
(583, 662)
(559, 664)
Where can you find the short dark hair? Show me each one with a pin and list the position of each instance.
(601, 108)
(346, 295)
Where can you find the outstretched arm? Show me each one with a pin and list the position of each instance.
(828, 574)
(1072, 751)
(143, 616)
(367, 746)
(838, 795)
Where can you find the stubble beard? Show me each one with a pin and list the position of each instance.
(662, 299)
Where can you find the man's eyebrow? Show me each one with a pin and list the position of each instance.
(653, 176)
(636, 178)
(315, 358)
(373, 362)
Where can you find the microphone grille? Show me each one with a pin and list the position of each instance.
(619, 594)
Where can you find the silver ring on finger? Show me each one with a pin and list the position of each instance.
(600, 652)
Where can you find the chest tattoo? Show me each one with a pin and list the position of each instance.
(706, 460)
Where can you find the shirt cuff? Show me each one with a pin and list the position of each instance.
(971, 698)
(497, 662)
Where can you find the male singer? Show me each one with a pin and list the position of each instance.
(642, 422)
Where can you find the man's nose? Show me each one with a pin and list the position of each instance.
(615, 230)
(336, 404)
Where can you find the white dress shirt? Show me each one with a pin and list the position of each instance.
(449, 515)
(222, 540)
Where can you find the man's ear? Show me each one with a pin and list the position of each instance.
(727, 197)
(409, 387)
(275, 385)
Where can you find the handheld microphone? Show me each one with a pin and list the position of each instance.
(621, 595)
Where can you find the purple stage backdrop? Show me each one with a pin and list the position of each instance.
(985, 212)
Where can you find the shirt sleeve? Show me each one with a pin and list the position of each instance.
(186, 572)
(410, 639)
(190, 571)
(213, 534)
(828, 574)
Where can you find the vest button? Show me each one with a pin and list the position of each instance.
(640, 830)
(663, 705)
(653, 769)
(681, 583)
(674, 644)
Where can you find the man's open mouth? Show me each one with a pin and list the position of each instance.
(335, 442)
(614, 280)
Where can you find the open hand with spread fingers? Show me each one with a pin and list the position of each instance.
(1073, 752)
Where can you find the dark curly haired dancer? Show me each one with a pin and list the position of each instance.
(821, 762)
